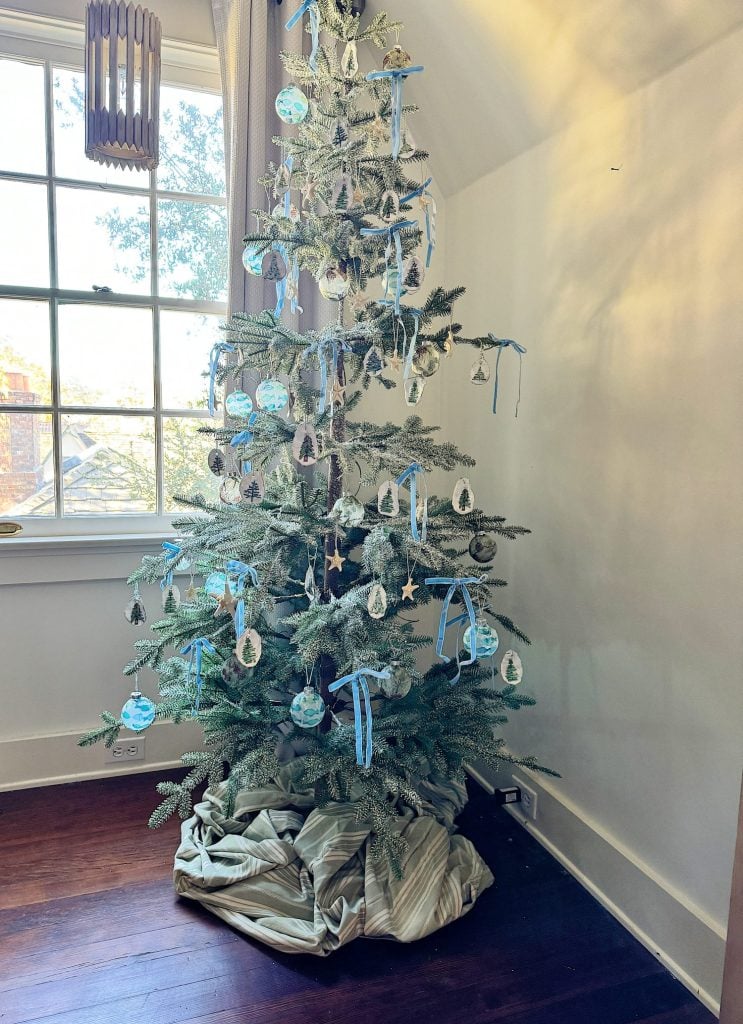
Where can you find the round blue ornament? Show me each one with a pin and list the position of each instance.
(292, 105)
(486, 640)
(138, 712)
(215, 583)
(308, 708)
(271, 395)
(238, 404)
(253, 260)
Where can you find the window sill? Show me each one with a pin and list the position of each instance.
(66, 559)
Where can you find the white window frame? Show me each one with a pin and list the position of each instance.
(54, 42)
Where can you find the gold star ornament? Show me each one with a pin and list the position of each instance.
(339, 393)
(227, 604)
(335, 561)
(409, 589)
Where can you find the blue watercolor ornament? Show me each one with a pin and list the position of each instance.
(138, 713)
(215, 583)
(292, 105)
(253, 260)
(271, 395)
(238, 404)
(486, 640)
(308, 708)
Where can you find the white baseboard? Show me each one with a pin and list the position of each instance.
(685, 939)
(53, 760)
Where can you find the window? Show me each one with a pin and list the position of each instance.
(112, 286)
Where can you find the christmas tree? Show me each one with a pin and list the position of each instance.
(400, 751)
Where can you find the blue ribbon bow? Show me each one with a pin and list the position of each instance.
(196, 649)
(396, 76)
(393, 231)
(172, 554)
(430, 214)
(242, 571)
(358, 682)
(245, 437)
(455, 583)
(326, 349)
(412, 473)
(501, 344)
(217, 349)
(309, 7)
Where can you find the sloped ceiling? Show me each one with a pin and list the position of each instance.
(502, 75)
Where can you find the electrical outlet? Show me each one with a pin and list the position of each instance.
(528, 799)
(126, 749)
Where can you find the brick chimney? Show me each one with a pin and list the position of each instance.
(19, 442)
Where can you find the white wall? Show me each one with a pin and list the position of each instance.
(625, 286)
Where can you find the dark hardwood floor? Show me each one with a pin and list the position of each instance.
(91, 933)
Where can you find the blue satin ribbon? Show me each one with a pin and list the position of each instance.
(217, 349)
(393, 232)
(327, 350)
(195, 649)
(358, 682)
(412, 473)
(455, 583)
(172, 554)
(309, 6)
(501, 344)
(242, 571)
(396, 76)
(245, 437)
(430, 215)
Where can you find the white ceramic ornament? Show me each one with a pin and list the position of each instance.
(389, 207)
(216, 462)
(171, 598)
(273, 267)
(342, 196)
(307, 708)
(511, 669)
(377, 603)
(252, 487)
(348, 511)
(486, 640)
(304, 446)
(229, 492)
(388, 499)
(374, 361)
(334, 284)
(414, 390)
(463, 498)
(426, 360)
(350, 60)
(413, 273)
(271, 395)
(135, 612)
(480, 371)
(249, 648)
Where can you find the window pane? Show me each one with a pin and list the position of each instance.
(25, 361)
(105, 356)
(186, 340)
(22, 121)
(191, 142)
(26, 464)
(192, 258)
(185, 470)
(109, 465)
(103, 240)
(24, 256)
(70, 160)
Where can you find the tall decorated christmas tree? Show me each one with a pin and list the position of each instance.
(334, 763)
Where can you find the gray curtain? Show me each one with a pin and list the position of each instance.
(250, 34)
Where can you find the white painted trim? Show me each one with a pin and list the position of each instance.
(34, 761)
(687, 940)
(73, 559)
(36, 35)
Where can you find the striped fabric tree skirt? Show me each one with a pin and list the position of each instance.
(301, 878)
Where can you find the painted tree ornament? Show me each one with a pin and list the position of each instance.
(229, 492)
(214, 584)
(388, 499)
(273, 267)
(238, 404)
(483, 547)
(377, 603)
(253, 260)
(396, 59)
(341, 199)
(374, 361)
(426, 360)
(307, 708)
(216, 462)
(339, 134)
(348, 511)
(334, 284)
(171, 599)
(138, 713)
(252, 487)
(511, 669)
(413, 273)
(486, 639)
(271, 395)
(407, 147)
(350, 60)
(389, 207)
(304, 445)
(399, 683)
(414, 390)
(480, 371)
(283, 180)
(463, 498)
(292, 105)
(249, 648)
(134, 612)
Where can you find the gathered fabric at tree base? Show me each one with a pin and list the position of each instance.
(302, 879)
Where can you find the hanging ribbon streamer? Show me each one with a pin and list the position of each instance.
(396, 76)
(172, 554)
(217, 349)
(245, 437)
(412, 473)
(196, 649)
(281, 285)
(501, 344)
(358, 683)
(455, 583)
(309, 7)
(429, 207)
(242, 571)
(327, 350)
(393, 233)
